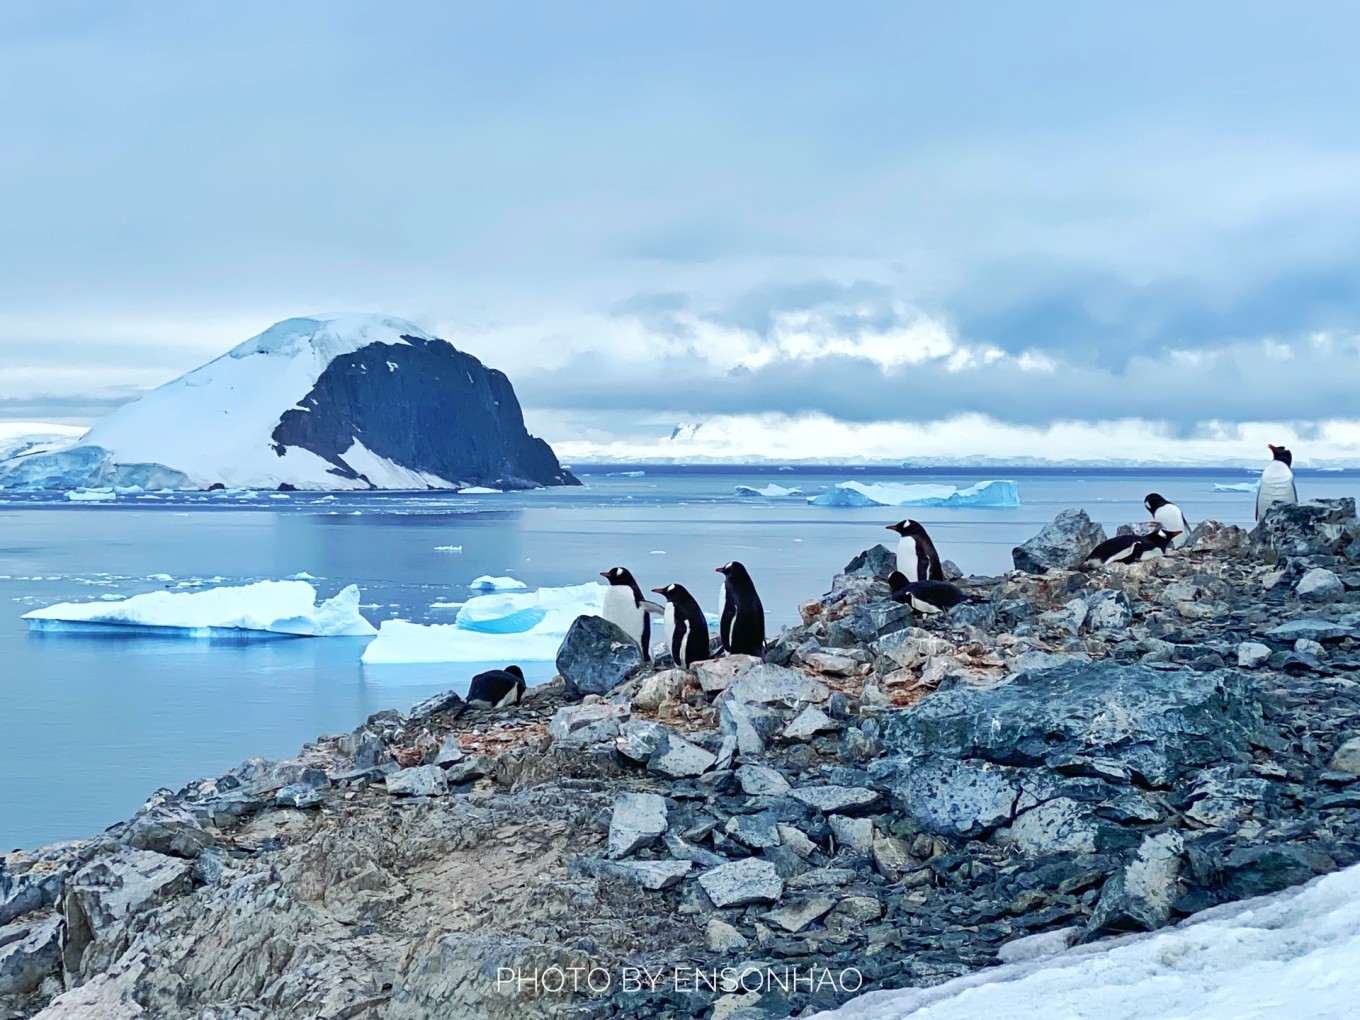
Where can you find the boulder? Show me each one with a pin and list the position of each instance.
(780, 686)
(638, 820)
(1347, 757)
(27, 885)
(1320, 585)
(421, 781)
(444, 701)
(752, 726)
(656, 875)
(105, 892)
(1064, 543)
(1139, 896)
(808, 723)
(1312, 630)
(1155, 722)
(831, 798)
(1108, 611)
(758, 780)
(795, 916)
(716, 675)
(596, 656)
(587, 724)
(877, 562)
(1321, 527)
(659, 688)
(1252, 654)
(740, 883)
(676, 757)
(951, 797)
(30, 952)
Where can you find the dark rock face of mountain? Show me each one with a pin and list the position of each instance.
(427, 407)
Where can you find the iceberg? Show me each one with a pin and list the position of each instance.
(91, 495)
(771, 490)
(1294, 953)
(513, 627)
(983, 494)
(268, 607)
(479, 490)
(1236, 487)
(488, 583)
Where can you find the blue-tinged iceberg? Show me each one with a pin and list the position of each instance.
(771, 491)
(268, 607)
(983, 494)
(1236, 486)
(505, 627)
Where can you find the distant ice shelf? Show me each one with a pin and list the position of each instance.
(505, 627)
(983, 494)
(267, 607)
(770, 490)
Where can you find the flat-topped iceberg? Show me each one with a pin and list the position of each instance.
(514, 627)
(267, 607)
(1235, 486)
(983, 494)
(770, 490)
(489, 583)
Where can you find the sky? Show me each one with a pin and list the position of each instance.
(891, 231)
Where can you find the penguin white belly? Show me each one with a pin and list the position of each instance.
(668, 625)
(1169, 516)
(722, 611)
(923, 607)
(621, 609)
(906, 557)
(1277, 486)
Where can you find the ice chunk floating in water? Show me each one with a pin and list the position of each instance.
(487, 583)
(771, 490)
(1236, 487)
(983, 494)
(515, 627)
(267, 607)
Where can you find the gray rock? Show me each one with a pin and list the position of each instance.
(1064, 543)
(808, 723)
(1140, 895)
(39, 885)
(721, 937)
(797, 915)
(1347, 757)
(443, 702)
(952, 797)
(450, 751)
(829, 799)
(677, 757)
(753, 726)
(855, 833)
(298, 795)
(751, 880)
(114, 886)
(473, 766)
(757, 780)
(1060, 825)
(1312, 630)
(878, 562)
(1320, 585)
(716, 675)
(1155, 722)
(172, 829)
(639, 819)
(659, 688)
(596, 656)
(30, 952)
(775, 685)
(1038, 947)
(854, 911)
(638, 739)
(1252, 654)
(657, 875)
(421, 781)
(1108, 611)
(1320, 527)
(1036, 659)
(758, 831)
(1306, 646)
(587, 724)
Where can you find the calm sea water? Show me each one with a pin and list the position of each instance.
(91, 725)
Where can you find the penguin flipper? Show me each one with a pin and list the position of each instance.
(651, 607)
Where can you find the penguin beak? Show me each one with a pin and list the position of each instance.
(717, 570)
(659, 591)
(604, 573)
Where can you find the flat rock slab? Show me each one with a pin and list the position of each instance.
(422, 781)
(795, 916)
(677, 758)
(587, 724)
(757, 780)
(30, 952)
(742, 882)
(776, 685)
(829, 799)
(638, 820)
(112, 887)
(1312, 630)
(657, 875)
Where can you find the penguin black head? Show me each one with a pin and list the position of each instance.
(733, 571)
(1159, 537)
(905, 528)
(672, 591)
(619, 575)
(1154, 502)
(1281, 453)
(897, 580)
(515, 671)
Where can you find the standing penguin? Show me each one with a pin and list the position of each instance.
(1169, 516)
(1277, 481)
(686, 627)
(498, 687)
(741, 617)
(625, 607)
(915, 546)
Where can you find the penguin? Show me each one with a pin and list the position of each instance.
(915, 546)
(1277, 481)
(1169, 516)
(741, 617)
(1130, 548)
(686, 627)
(498, 687)
(926, 597)
(625, 607)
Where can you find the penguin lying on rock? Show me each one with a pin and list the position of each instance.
(1130, 548)
(626, 609)
(915, 546)
(741, 617)
(926, 597)
(498, 687)
(686, 626)
(1169, 516)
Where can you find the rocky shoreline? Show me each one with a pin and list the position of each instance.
(882, 802)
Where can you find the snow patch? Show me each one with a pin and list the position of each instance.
(387, 474)
(271, 607)
(478, 490)
(983, 494)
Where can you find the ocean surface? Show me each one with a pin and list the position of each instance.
(92, 724)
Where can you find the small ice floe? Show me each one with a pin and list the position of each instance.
(488, 583)
(92, 496)
(270, 607)
(159, 577)
(448, 548)
(657, 552)
(1235, 487)
(478, 490)
(983, 494)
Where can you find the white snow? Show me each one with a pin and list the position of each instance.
(387, 474)
(488, 583)
(274, 607)
(26, 437)
(478, 490)
(518, 627)
(1293, 954)
(983, 494)
(768, 490)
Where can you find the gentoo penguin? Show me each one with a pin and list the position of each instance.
(498, 687)
(925, 597)
(625, 607)
(1130, 548)
(686, 627)
(1277, 481)
(915, 546)
(741, 617)
(1169, 516)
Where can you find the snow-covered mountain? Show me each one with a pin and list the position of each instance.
(323, 402)
(20, 437)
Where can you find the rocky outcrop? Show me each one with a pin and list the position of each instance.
(1063, 544)
(1075, 755)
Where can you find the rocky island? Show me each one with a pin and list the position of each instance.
(879, 803)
